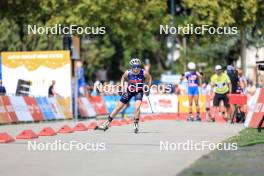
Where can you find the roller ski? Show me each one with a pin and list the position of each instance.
(136, 126)
(105, 125)
(198, 118)
(190, 118)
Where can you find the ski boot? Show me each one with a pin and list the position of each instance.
(190, 118)
(105, 125)
(136, 126)
(198, 117)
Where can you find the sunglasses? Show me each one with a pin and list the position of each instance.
(135, 66)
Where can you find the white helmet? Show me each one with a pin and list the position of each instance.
(218, 67)
(135, 61)
(191, 66)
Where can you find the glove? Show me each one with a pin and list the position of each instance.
(146, 90)
(120, 92)
(147, 93)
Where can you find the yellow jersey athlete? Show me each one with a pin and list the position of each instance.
(136, 76)
(221, 85)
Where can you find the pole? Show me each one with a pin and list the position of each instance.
(172, 9)
(243, 51)
(150, 105)
(76, 95)
(184, 49)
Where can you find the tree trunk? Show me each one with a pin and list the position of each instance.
(243, 45)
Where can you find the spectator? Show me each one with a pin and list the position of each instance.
(242, 81)
(101, 75)
(89, 88)
(2, 89)
(232, 74)
(206, 88)
(52, 92)
(251, 88)
(177, 89)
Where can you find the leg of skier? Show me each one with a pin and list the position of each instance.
(136, 115)
(106, 124)
(123, 101)
(190, 117)
(196, 100)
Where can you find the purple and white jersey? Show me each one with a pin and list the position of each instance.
(193, 79)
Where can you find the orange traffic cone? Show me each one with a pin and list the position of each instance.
(80, 127)
(27, 134)
(47, 131)
(5, 138)
(92, 125)
(65, 129)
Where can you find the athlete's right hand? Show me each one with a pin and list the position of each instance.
(120, 92)
(147, 93)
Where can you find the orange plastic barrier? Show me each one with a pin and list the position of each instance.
(34, 108)
(98, 105)
(256, 109)
(9, 109)
(184, 104)
(64, 103)
(4, 117)
(85, 107)
(237, 99)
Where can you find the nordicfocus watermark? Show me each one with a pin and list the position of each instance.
(112, 88)
(59, 29)
(58, 145)
(198, 30)
(191, 145)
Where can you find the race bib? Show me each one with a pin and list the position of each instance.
(219, 85)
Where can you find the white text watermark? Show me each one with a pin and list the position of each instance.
(59, 29)
(58, 145)
(191, 145)
(190, 29)
(111, 88)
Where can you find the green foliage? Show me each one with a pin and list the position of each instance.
(234, 12)
(215, 49)
(247, 137)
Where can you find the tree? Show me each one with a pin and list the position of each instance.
(241, 13)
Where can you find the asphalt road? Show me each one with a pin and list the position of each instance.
(115, 152)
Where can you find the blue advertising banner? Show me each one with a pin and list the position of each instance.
(56, 109)
(45, 108)
(111, 102)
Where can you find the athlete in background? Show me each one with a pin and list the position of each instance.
(221, 84)
(136, 76)
(193, 78)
